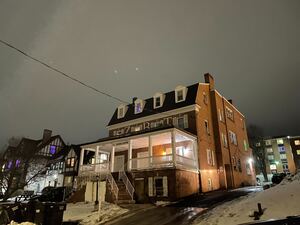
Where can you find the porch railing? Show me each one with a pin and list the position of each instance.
(113, 185)
(126, 181)
(94, 168)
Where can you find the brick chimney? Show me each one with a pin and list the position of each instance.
(231, 102)
(47, 135)
(209, 80)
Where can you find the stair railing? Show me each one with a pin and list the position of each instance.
(126, 181)
(113, 185)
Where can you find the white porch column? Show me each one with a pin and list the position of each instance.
(81, 156)
(173, 146)
(129, 161)
(97, 159)
(112, 159)
(150, 153)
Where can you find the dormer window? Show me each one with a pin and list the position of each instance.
(138, 106)
(158, 99)
(180, 94)
(121, 111)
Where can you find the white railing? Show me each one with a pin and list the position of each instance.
(126, 181)
(113, 185)
(185, 161)
(98, 168)
(152, 162)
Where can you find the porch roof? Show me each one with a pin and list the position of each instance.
(143, 133)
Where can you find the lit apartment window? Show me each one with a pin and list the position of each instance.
(270, 157)
(158, 100)
(206, 127)
(209, 157)
(138, 106)
(229, 113)
(121, 111)
(282, 156)
(233, 139)
(180, 94)
(245, 145)
(280, 141)
(221, 115)
(224, 140)
(298, 152)
(297, 142)
(273, 167)
(269, 150)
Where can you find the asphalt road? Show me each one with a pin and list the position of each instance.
(183, 212)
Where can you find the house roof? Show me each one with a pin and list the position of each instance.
(168, 104)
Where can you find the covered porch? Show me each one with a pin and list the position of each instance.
(168, 148)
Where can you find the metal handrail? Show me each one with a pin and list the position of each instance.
(126, 181)
(113, 184)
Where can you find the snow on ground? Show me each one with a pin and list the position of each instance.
(24, 223)
(279, 202)
(86, 214)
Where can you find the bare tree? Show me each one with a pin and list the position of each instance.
(257, 143)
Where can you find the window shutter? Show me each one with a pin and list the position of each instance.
(150, 186)
(186, 122)
(165, 186)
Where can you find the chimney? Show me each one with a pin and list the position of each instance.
(47, 135)
(209, 80)
(133, 99)
(231, 102)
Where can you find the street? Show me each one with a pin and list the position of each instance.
(185, 211)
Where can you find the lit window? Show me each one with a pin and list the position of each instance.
(18, 163)
(52, 149)
(121, 111)
(221, 115)
(139, 105)
(206, 127)
(233, 139)
(210, 159)
(270, 157)
(297, 142)
(281, 149)
(180, 94)
(269, 150)
(282, 156)
(273, 167)
(245, 145)
(298, 152)
(224, 139)
(72, 162)
(280, 141)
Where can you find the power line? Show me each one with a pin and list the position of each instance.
(63, 73)
(70, 77)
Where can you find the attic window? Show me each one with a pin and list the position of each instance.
(138, 106)
(180, 94)
(121, 111)
(158, 100)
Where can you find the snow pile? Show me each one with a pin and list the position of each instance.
(24, 223)
(277, 202)
(86, 214)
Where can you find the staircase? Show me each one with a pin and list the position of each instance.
(123, 195)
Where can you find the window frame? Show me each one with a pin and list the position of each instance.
(184, 92)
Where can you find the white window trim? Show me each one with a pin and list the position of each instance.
(139, 101)
(162, 98)
(124, 107)
(184, 92)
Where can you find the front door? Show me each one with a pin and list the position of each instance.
(228, 176)
(139, 185)
(119, 163)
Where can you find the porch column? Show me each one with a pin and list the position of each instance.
(173, 147)
(112, 160)
(129, 161)
(195, 151)
(81, 156)
(97, 159)
(150, 150)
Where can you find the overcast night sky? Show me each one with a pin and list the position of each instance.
(136, 48)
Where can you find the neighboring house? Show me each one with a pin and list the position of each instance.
(295, 145)
(27, 161)
(279, 154)
(172, 145)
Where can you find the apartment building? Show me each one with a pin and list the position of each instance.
(172, 145)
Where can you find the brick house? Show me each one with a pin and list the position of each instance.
(172, 145)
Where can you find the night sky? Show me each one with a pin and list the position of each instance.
(136, 48)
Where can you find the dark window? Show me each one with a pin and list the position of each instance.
(159, 186)
(179, 95)
(181, 122)
(157, 102)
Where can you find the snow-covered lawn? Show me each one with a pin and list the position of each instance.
(86, 214)
(279, 202)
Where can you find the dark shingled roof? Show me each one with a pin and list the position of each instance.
(168, 104)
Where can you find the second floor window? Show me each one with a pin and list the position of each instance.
(206, 127)
(233, 139)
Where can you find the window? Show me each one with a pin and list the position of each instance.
(285, 167)
(298, 152)
(52, 149)
(221, 115)
(273, 167)
(233, 139)
(161, 186)
(269, 150)
(234, 163)
(281, 149)
(248, 168)
(180, 94)
(229, 113)
(297, 142)
(268, 142)
(138, 106)
(245, 145)
(205, 99)
(282, 156)
(121, 111)
(270, 157)
(280, 141)
(181, 122)
(239, 165)
(257, 144)
(206, 127)
(209, 157)
(224, 140)
(157, 100)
